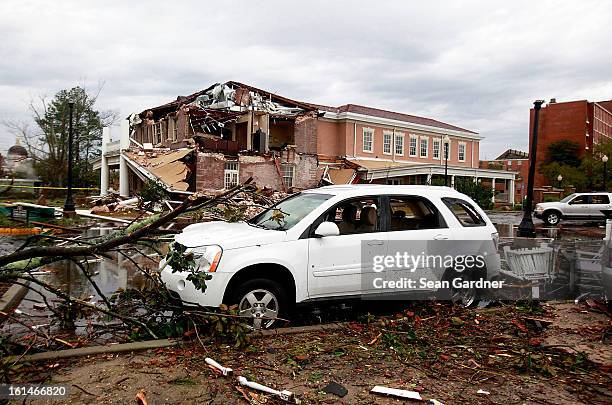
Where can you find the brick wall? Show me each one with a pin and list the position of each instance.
(305, 134)
(559, 121)
(211, 170)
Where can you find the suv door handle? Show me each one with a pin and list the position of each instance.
(440, 237)
(375, 242)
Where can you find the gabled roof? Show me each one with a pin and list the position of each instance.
(513, 154)
(376, 112)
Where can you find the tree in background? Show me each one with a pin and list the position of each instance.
(478, 192)
(48, 143)
(564, 151)
(586, 173)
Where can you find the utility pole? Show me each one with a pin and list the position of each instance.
(526, 228)
(69, 204)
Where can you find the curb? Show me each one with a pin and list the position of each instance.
(12, 297)
(155, 344)
(93, 350)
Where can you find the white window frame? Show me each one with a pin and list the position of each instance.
(416, 146)
(426, 139)
(288, 171)
(231, 174)
(459, 147)
(370, 132)
(437, 142)
(387, 146)
(400, 144)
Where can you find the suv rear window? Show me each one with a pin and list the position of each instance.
(465, 212)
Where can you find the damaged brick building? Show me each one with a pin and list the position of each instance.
(224, 134)
(235, 132)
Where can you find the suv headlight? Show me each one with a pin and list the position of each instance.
(207, 257)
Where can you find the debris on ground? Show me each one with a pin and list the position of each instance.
(284, 395)
(225, 371)
(394, 392)
(336, 389)
(418, 349)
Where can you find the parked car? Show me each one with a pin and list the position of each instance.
(574, 206)
(309, 246)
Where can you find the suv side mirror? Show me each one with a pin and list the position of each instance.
(327, 229)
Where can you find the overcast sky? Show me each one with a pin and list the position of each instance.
(479, 65)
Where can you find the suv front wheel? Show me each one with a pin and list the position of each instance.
(262, 301)
(552, 217)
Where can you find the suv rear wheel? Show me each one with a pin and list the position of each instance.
(263, 301)
(552, 217)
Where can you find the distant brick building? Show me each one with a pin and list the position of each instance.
(584, 122)
(514, 161)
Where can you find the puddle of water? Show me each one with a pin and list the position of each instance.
(110, 274)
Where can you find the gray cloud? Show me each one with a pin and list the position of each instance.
(474, 64)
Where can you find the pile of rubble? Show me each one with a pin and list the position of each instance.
(115, 203)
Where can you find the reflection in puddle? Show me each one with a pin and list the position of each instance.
(117, 271)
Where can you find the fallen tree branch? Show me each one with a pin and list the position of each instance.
(116, 239)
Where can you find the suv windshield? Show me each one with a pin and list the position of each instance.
(288, 212)
(569, 197)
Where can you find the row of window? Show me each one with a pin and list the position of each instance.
(231, 174)
(417, 146)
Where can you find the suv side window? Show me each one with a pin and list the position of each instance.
(411, 212)
(465, 213)
(581, 199)
(600, 199)
(353, 216)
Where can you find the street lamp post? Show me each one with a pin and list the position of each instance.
(526, 227)
(559, 179)
(604, 159)
(69, 204)
(446, 143)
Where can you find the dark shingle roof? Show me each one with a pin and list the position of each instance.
(376, 112)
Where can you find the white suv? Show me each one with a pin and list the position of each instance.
(320, 244)
(574, 206)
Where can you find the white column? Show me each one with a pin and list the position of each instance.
(124, 185)
(429, 179)
(453, 181)
(493, 187)
(104, 161)
(511, 191)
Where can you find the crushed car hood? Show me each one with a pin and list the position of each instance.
(228, 235)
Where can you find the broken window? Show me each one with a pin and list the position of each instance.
(157, 132)
(231, 174)
(173, 134)
(288, 172)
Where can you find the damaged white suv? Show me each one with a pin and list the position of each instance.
(322, 243)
